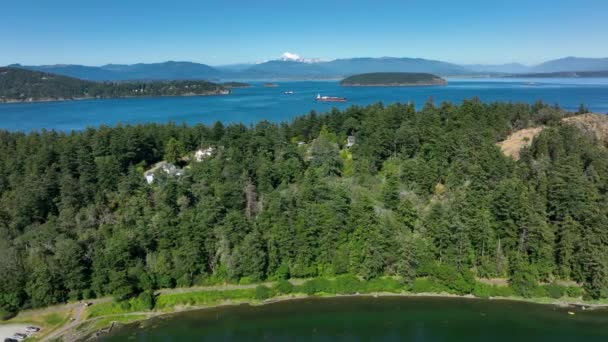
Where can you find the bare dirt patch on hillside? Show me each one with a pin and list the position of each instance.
(594, 126)
(514, 143)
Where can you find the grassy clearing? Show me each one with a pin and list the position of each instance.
(54, 319)
(104, 309)
(202, 298)
(143, 302)
(46, 320)
(42, 319)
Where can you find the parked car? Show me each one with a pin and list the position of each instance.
(32, 329)
(8, 339)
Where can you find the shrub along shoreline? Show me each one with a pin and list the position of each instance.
(164, 303)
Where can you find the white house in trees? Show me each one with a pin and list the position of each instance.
(164, 167)
(350, 141)
(203, 153)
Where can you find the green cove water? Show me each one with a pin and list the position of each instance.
(375, 319)
(251, 105)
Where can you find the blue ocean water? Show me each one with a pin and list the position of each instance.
(250, 105)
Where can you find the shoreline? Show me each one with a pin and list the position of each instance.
(45, 100)
(85, 328)
(295, 296)
(179, 309)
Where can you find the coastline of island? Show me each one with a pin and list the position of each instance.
(42, 100)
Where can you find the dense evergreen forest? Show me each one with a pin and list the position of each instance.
(20, 85)
(420, 193)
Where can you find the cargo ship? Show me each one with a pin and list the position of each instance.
(330, 98)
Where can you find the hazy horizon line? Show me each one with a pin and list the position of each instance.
(319, 61)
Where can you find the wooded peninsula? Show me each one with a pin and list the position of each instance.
(20, 85)
(425, 198)
(392, 79)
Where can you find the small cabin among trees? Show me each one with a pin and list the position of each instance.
(165, 167)
(350, 141)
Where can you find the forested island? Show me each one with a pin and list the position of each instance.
(20, 85)
(392, 79)
(236, 85)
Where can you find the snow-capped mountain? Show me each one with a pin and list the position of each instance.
(294, 57)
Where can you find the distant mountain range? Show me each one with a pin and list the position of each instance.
(568, 64)
(292, 66)
(563, 74)
(122, 72)
(510, 68)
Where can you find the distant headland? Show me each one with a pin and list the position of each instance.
(562, 74)
(20, 85)
(393, 79)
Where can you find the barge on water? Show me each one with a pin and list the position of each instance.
(330, 98)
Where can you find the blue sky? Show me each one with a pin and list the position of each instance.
(232, 31)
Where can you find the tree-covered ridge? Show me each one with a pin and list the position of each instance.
(236, 85)
(420, 193)
(393, 79)
(20, 85)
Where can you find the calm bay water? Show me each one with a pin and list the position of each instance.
(257, 103)
(375, 319)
